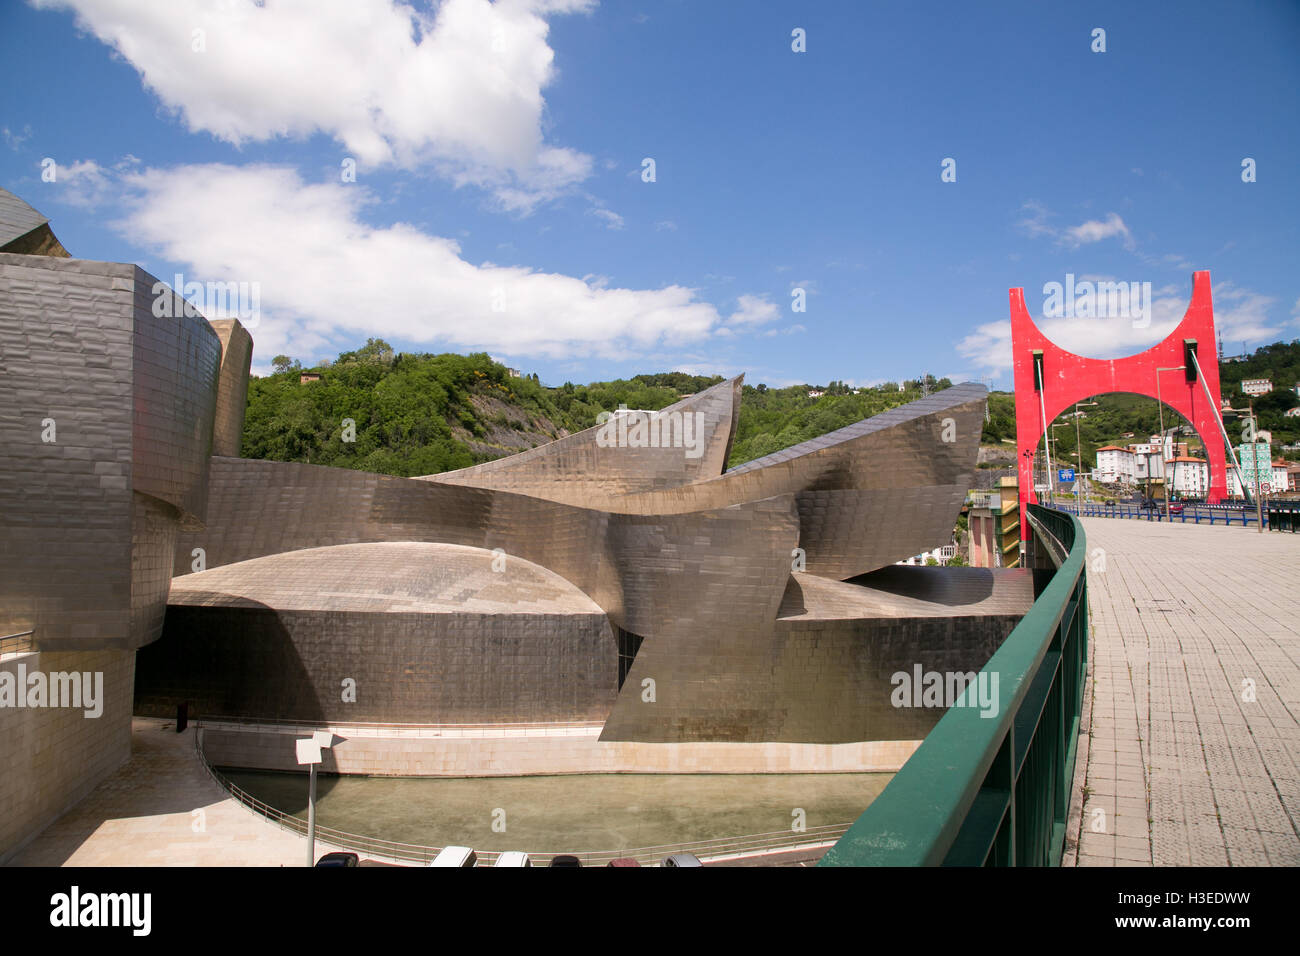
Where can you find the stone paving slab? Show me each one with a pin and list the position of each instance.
(162, 808)
(1192, 698)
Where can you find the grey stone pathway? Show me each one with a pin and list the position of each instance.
(1192, 698)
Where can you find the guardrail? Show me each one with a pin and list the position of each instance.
(570, 728)
(1195, 514)
(419, 855)
(19, 643)
(996, 791)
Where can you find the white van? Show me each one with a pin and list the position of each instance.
(455, 856)
(513, 858)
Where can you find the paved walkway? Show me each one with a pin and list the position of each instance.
(1193, 694)
(162, 809)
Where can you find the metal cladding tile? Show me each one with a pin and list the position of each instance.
(95, 368)
(236, 360)
(449, 666)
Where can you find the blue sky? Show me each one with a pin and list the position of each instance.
(499, 202)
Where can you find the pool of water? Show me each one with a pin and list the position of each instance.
(578, 813)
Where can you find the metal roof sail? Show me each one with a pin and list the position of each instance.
(17, 218)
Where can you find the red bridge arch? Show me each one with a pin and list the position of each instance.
(1068, 378)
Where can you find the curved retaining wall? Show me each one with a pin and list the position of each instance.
(463, 751)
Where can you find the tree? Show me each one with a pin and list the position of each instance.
(375, 350)
(282, 363)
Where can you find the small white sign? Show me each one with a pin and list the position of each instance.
(308, 750)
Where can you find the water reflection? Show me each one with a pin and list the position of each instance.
(580, 812)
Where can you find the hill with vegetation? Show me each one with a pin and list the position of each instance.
(419, 414)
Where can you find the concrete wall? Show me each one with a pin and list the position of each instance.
(487, 752)
(50, 758)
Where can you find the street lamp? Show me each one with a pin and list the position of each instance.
(1254, 451)
(1078, 444)
(1051, 488)
(309, 749)
(1164, 470)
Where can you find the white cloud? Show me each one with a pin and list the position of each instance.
(325, 275)
(752, 310)
(1239, 315)
(1033, 223)
(87, 184)
(1095, 230)
(1033, 220)
(15, 140)
(459, 89)
(611, 219)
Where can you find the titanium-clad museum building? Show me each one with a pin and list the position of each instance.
(621, 576)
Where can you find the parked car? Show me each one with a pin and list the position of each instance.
(682, 859)
(338, 859)
(623, 861)
(1175, 508)
(564, 860)
(513, 858)
(457, 856)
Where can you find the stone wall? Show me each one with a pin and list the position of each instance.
(50, 758)
(521, 751)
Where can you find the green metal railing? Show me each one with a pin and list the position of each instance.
(995, 791)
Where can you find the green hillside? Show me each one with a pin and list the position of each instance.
(418, 414)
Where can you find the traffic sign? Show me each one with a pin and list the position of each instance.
(1266, 489)
(1065, 474)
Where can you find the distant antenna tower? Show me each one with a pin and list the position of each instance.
(1220, 348)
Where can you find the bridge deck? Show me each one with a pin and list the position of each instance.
(1183, 767)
